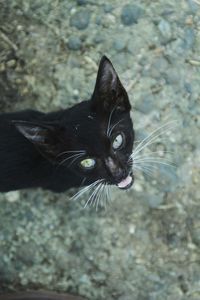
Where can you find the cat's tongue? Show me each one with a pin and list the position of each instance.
(125, 182)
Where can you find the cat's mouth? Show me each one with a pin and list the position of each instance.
(126, 183)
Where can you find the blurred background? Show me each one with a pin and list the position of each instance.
(145, 245)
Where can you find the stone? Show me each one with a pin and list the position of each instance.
(81, 2)
(27, 253)
(146, 104)
(172, 76)
(98, 39)
(165, 30)
(154, 201)
(130, 14)
(189, 39)
(74, 43)
(119, 44)
(193, 6)
(195, 233)
(166, 177)
(11, 63)
(12, 196)
(108, 8)
(188, 88)
(80, 19)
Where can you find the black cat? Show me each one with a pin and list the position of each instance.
(90, 142)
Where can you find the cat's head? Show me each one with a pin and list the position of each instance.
(94, 139)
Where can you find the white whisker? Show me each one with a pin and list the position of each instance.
(92, 196)
(149, 163)
(82, 182)
(99, 196)
(111, 129)
(109, 120)
(85, 189)
(101, 202)
(147, 157)
(107, 194)
(150, 139)
(161, 152)
(145, 170)
(74, 151)
(155, 161)
(75, 156)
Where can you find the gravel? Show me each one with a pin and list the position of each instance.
(165, 30)
(74, 43)
(145, 245)
(80, 19)
(130, 14)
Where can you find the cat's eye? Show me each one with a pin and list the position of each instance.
(118, 141)
(88, 163)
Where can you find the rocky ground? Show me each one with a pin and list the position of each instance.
(146, 244)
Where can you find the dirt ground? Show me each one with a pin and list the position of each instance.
(145, 245)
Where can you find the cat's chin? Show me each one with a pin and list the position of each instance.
(125, 183)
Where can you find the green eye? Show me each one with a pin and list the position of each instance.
(118, 141)
(88, 163)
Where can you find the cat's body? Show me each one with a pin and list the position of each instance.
(70, 147)
(22, 165)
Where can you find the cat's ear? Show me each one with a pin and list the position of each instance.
(109, 91)
(43, 136)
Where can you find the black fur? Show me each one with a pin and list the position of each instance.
(32, 143)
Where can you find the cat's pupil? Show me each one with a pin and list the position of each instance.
(88, 163)
(118, 141)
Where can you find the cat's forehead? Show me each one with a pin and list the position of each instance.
(92, 130)
(84, 121)
(94, 137)
(90, 135)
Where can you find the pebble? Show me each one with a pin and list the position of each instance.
(122, 59)
(74, 43)
(195, 233)
(193, 6)
(167, 179)
(11, 63)
(80, 19)
(172, 76)
(84, 279)
(188, 88)
(81, 2)
(189, 39)
(2, 67)
(160, 64)
(12, 196)
(27, 253)
(138, 187)
(130, 14)
(98, 20)
(165, 30)
(154, 201)
(8, 273)
(108, 8)
(98, 39)
(119, 44)
(146, 105)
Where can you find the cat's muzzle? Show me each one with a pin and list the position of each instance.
(126, 183)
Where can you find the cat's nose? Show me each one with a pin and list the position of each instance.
(118, 173)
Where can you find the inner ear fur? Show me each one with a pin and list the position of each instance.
(45, 137)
